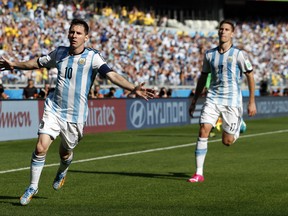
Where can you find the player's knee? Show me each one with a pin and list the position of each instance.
(228, 141)
(65, 155)
(43, 144)
(41, 149)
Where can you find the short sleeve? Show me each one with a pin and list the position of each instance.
(48, 61)
(100, 64)
(206, 66)
(244, 62)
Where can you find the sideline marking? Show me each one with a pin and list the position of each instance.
(142, 152)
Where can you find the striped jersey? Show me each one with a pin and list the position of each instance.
(76, 74)
(226, 75)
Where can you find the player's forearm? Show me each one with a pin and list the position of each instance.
(200, 86)
(251, 87)
(252, 96)
(27, 65)
(120, 81)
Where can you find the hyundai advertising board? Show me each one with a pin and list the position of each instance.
(157, 113)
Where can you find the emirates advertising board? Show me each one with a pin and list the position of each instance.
(106, 115)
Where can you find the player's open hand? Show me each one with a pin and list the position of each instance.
(5, 64)
(252, 110)
(145, 93)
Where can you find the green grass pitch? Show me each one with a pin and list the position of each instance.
(144, 173)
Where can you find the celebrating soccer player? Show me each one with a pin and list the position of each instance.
(65, 110)
(226, 63)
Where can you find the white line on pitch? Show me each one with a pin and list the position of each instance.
(142, 152)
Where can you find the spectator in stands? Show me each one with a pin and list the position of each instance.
(169, 92)
(133, 15)
(163, 21)
(285, 92)
(264, 88)
(127, 94)
(66, 112)
(111, 93)
(95, 92)
(30, 91)
(265, 39)
(3, 95)
(226, 64)
(276, 92)
(163, 92)
(43, 93)
(124, 14)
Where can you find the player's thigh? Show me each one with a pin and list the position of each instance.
(231, 119)
(49, 125)
(48, 130)
(209, 114)
(71, 134)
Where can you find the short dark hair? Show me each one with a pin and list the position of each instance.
(227, 21)
(80, 22)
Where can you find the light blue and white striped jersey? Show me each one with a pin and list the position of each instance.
(76, 74)
(226, 75)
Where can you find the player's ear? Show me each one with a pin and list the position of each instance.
(86, 38)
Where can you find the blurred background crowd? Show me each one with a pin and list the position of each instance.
(139, 44)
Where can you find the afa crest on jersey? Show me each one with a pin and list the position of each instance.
(82, 61)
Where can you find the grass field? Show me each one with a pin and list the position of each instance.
(144, 173)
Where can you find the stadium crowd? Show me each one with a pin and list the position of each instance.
(137, 44)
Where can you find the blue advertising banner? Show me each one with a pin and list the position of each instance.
(268, 107)
(157, 113)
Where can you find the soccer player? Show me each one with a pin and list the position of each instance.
(66, 108)
(226, 64)
(3, 95)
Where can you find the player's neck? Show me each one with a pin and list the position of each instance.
(76, 51)
(223, 47)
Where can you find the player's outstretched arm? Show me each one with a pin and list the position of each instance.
(5, 64)
(139, 90)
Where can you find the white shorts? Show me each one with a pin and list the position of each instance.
(231, 117)
(70, 133)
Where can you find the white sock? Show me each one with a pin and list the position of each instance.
(64, 164)
(36, 167)
(200, 153)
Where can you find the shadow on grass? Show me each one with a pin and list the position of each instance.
(15, 200)
(170, 175)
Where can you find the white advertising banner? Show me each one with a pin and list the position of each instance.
(18, 120)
